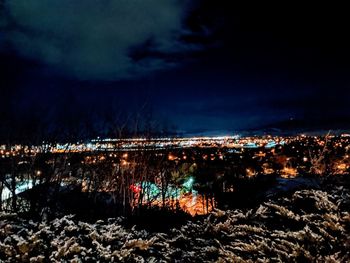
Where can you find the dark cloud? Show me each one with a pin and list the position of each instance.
(226, 66)
(97, 39)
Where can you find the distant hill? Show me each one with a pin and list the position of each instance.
(309, 126)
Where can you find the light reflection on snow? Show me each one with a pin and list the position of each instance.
(184, 197)
(20, 187)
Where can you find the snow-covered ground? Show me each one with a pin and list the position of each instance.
(310, 226)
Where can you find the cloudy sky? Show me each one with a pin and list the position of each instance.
(197, 65)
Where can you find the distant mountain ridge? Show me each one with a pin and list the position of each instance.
(297, 126)
(285, 127)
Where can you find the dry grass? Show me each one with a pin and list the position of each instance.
(311, 226)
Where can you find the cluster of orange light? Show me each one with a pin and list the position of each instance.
(194, 204)
(250, 172)
(267, 170)
(171, 157)
(287, 172)
(341, 168)
(191, 203)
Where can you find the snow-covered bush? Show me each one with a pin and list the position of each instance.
(310, 226)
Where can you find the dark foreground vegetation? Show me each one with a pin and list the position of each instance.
(288, 203)
(305, 226)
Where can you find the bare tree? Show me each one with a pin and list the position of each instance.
(317, 159)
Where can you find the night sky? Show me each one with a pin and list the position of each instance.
(204, 67)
